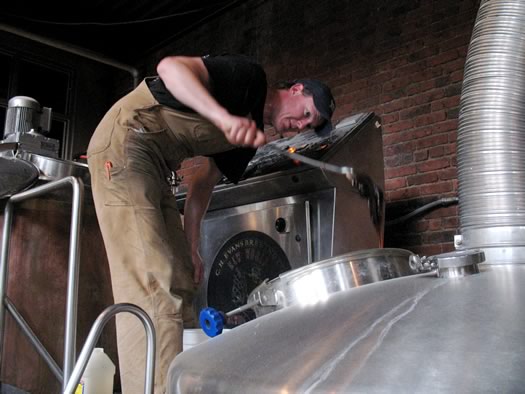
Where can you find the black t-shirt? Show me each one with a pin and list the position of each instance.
(239, 85)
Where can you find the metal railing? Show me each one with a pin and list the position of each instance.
(70, 377)
(94, 334)
(72, 283)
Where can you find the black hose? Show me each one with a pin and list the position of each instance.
(442, 202)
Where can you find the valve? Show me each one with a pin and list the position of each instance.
(211, 321)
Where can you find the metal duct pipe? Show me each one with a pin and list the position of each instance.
(491, 134)
(73, 49)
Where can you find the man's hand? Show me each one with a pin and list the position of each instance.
(198, 270)
(241, 131)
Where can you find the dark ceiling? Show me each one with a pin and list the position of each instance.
(122, 30)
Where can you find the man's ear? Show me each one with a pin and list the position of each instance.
(296, 89)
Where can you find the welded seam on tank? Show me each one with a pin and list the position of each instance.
(325, 371)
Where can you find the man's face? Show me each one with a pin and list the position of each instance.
(296, 112)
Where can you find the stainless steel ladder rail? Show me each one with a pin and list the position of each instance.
(73, 274)
(94, 334)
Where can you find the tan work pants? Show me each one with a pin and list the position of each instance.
(131, 153)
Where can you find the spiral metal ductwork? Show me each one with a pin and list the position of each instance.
(491, 134)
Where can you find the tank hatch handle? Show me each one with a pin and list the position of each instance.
(455, 264)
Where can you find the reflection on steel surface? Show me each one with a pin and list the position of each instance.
(417, 334)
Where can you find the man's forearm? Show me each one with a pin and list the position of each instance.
(197, 201)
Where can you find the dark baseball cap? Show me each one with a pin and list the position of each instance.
(323, 100)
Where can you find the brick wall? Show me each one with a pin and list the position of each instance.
(401, 59)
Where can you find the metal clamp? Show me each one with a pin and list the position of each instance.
(449, 265)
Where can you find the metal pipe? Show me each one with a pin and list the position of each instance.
(94, 334)
(31, 336)
(491, 134)
(73, 278)
(308, 219)
(73, 49)
(242, 308)
(4, 265)
(343, 170)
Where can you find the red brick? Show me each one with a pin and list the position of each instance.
(451, 222)
(444, 57)
(423, 53)
(420, 87)
(436, 188)
(432, 165)
(422, 179)
(396, 172)
(434, 224)
(453, 66)
(421, 155)
(398, 126)
(456, 76)
(396, 138)
(390, 118)
(395, 105)
(397, 149)
(447, 125)
(429, 250)
(396, 183)
(410, 113)
(438, 236)
(382, 77)
(449, 102)
(420, 226)
(451, 148)
(434, 140)
(448, 173)
(429, 96)
(437, 151)
(433, 117)
(422, 132)
(403, 194)
(455, 42)
(396, 83)
(393, 95)
(410, 69)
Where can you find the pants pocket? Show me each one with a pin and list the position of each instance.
(147, 120)
(115, 186)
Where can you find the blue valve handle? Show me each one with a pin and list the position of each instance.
(211, 321)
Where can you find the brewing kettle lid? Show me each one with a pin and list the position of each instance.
(16, 175)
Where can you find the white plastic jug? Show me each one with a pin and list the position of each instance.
(98, 376)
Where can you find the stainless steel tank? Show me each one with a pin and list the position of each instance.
(415, 334)
(491, 134)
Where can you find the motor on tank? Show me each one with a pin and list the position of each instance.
(26, 122)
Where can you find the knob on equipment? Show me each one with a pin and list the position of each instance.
(211, 321)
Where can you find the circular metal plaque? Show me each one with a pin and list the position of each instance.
(243, 262)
